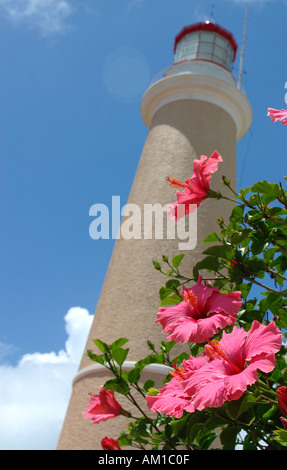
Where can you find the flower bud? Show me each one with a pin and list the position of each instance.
(110, 444)
(282, 399)
(225, 181)
(156, 264)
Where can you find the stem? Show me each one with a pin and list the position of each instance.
(132, 400)
(276, 273)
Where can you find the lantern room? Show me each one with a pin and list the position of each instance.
(205, 41)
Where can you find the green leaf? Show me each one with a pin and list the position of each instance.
(117, 385)
(177, 260)
(212, 237)
(101, 359)
(151, 359)
(209, 263)
(148, 384)
(220, 251)
(171, 300)
(228, 437)
(119, 355)
(238, 407)
(134, 376)
(263, 187)
(101, 345)
(118, 343)
(281, 436)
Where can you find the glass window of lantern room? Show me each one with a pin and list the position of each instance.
(221, 41)
(187, 47)
(206, 44)
(229, 58)
(219, 52)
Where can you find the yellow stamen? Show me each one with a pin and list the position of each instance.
(217, 351)
(179, 373)
(190, 298)
(175, 183)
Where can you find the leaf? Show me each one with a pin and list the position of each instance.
(220, 251)
(101, 345)
(228, 437)
(171, 300)
(118, 343)
(212, 237)
(134, 376)
(237, 407)
(119, 355)
(263, 187)
(151, 359)
(117, 385)
(281, 436)
(101, 359)
(210, 263)
(177, 260)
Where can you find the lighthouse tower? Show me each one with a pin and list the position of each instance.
(192, 108)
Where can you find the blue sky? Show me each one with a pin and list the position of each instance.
(72, 76)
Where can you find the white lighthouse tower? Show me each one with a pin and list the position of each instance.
(192, 108)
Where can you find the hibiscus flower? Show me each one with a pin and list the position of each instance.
(233, 365)
(278, 115)
(103, 406)
(201, 313)
(195, 188)
(172, 399)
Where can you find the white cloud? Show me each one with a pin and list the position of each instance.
(34, 395)
(47, 16)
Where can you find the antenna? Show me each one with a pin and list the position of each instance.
(239, 83)
(211, 12)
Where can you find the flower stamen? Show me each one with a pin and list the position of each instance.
(217, 351)
(175, 183)
(190, 298)
(178, 373)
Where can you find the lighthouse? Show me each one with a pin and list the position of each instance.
(191, 109)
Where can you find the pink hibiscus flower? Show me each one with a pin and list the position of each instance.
(172, 399)
(278, 115)
(201, 313)
(195, 188)
(103, 406)
(233, 365)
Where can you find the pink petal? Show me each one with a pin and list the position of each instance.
(262, 339)
(229, 303)
(277, 115)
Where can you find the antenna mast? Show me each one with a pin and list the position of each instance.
(239, 83)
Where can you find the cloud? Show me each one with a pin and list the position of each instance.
(34, 395)
(49, 17)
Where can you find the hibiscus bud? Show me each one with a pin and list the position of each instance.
(220, 222)
(225, 181)
(156, 264)
(282, 399)
(110, 444)
(152, 392)
(165, 258)
(284, 422)
(214, 194)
